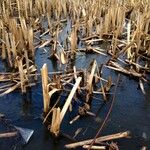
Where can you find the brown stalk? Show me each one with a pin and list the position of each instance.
(99, 139)
(46, 100)
(89, 86)
(69, 99)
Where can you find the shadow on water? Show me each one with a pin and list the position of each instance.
(27, 103)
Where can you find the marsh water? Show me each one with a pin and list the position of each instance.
(131, 110)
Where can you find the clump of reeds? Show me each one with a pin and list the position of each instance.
(121, 22)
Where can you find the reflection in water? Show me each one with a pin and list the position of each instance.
(6, 66)
(53, 144)
(26, 103)
(54, 64)
(100, 109)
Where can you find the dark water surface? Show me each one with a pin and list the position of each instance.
(131, 111)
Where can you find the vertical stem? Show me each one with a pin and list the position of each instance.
(46, 101)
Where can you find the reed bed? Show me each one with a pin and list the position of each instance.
(123, 24)
(102, 18)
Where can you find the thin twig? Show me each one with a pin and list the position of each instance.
(110, 109)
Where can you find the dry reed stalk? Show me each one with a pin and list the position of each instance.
(8, 49)
(11, 9)
(117, 25)
(20, 41)
(103, 91)
(140, 23)
(48, 8)
(5, 13)
(30, 4)
(138, 67)
(99, 28)
(8, 134)
(73, 40)
(47, 115)
(46, 100)
(54, 50)
(106, 23)
(75, 72)
(107, 16)
(120, 20)
(89, 86)
(58, 11)
(43, 5)
(94, 147)
(23, 77)
(12, 25)
(117, 67)
(129, 54)
(63, 57)
(90, 25)
(74, 119)
(38, 8)
(25, 9)
(138, 34)
(24, 28)
(100, 139)
(6, 86)
(49, 21)
(30, 42)
(11, 89)
(113, 16)
(19, 6)
(55, 125)
(69, 99)
(3, 44)
(13, 48)
(27, 63)
(126, 48)
(64, 7)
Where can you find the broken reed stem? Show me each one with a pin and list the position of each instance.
(74, 119)
(99, 139)
(46, 100)
(89, 86)
(8, 49)
(58, 115)
(22, 75)
(8, 134)
(50, 111)
(30, 42)
(94, 147)
(119, 68)
(69, 99)
(11, 89)
(27, 62)
(55, 125)
(3, 43)
(13, 47)
(128, 40)
(73, 40)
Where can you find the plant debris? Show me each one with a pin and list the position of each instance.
(64, 29)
